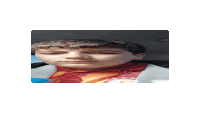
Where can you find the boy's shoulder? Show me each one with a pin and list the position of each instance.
(43, 71)
(153, 74)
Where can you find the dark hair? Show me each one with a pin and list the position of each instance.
(91, 43)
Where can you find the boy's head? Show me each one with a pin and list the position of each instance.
(87, 54)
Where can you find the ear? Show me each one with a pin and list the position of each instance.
(142, 54)
(139, 56)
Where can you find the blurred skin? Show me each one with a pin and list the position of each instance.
(92, 58)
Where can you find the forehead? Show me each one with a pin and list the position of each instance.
(81, 49)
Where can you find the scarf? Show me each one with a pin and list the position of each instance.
(125, 71)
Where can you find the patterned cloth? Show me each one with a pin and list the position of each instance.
(127, 72)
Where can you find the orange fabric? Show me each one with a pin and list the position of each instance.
(97, 76)
(126, 71)
(59, 73)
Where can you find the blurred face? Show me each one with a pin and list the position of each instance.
(86, 58)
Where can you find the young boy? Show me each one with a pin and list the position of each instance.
(95, 61)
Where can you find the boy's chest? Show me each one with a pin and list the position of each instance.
(96, 77)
